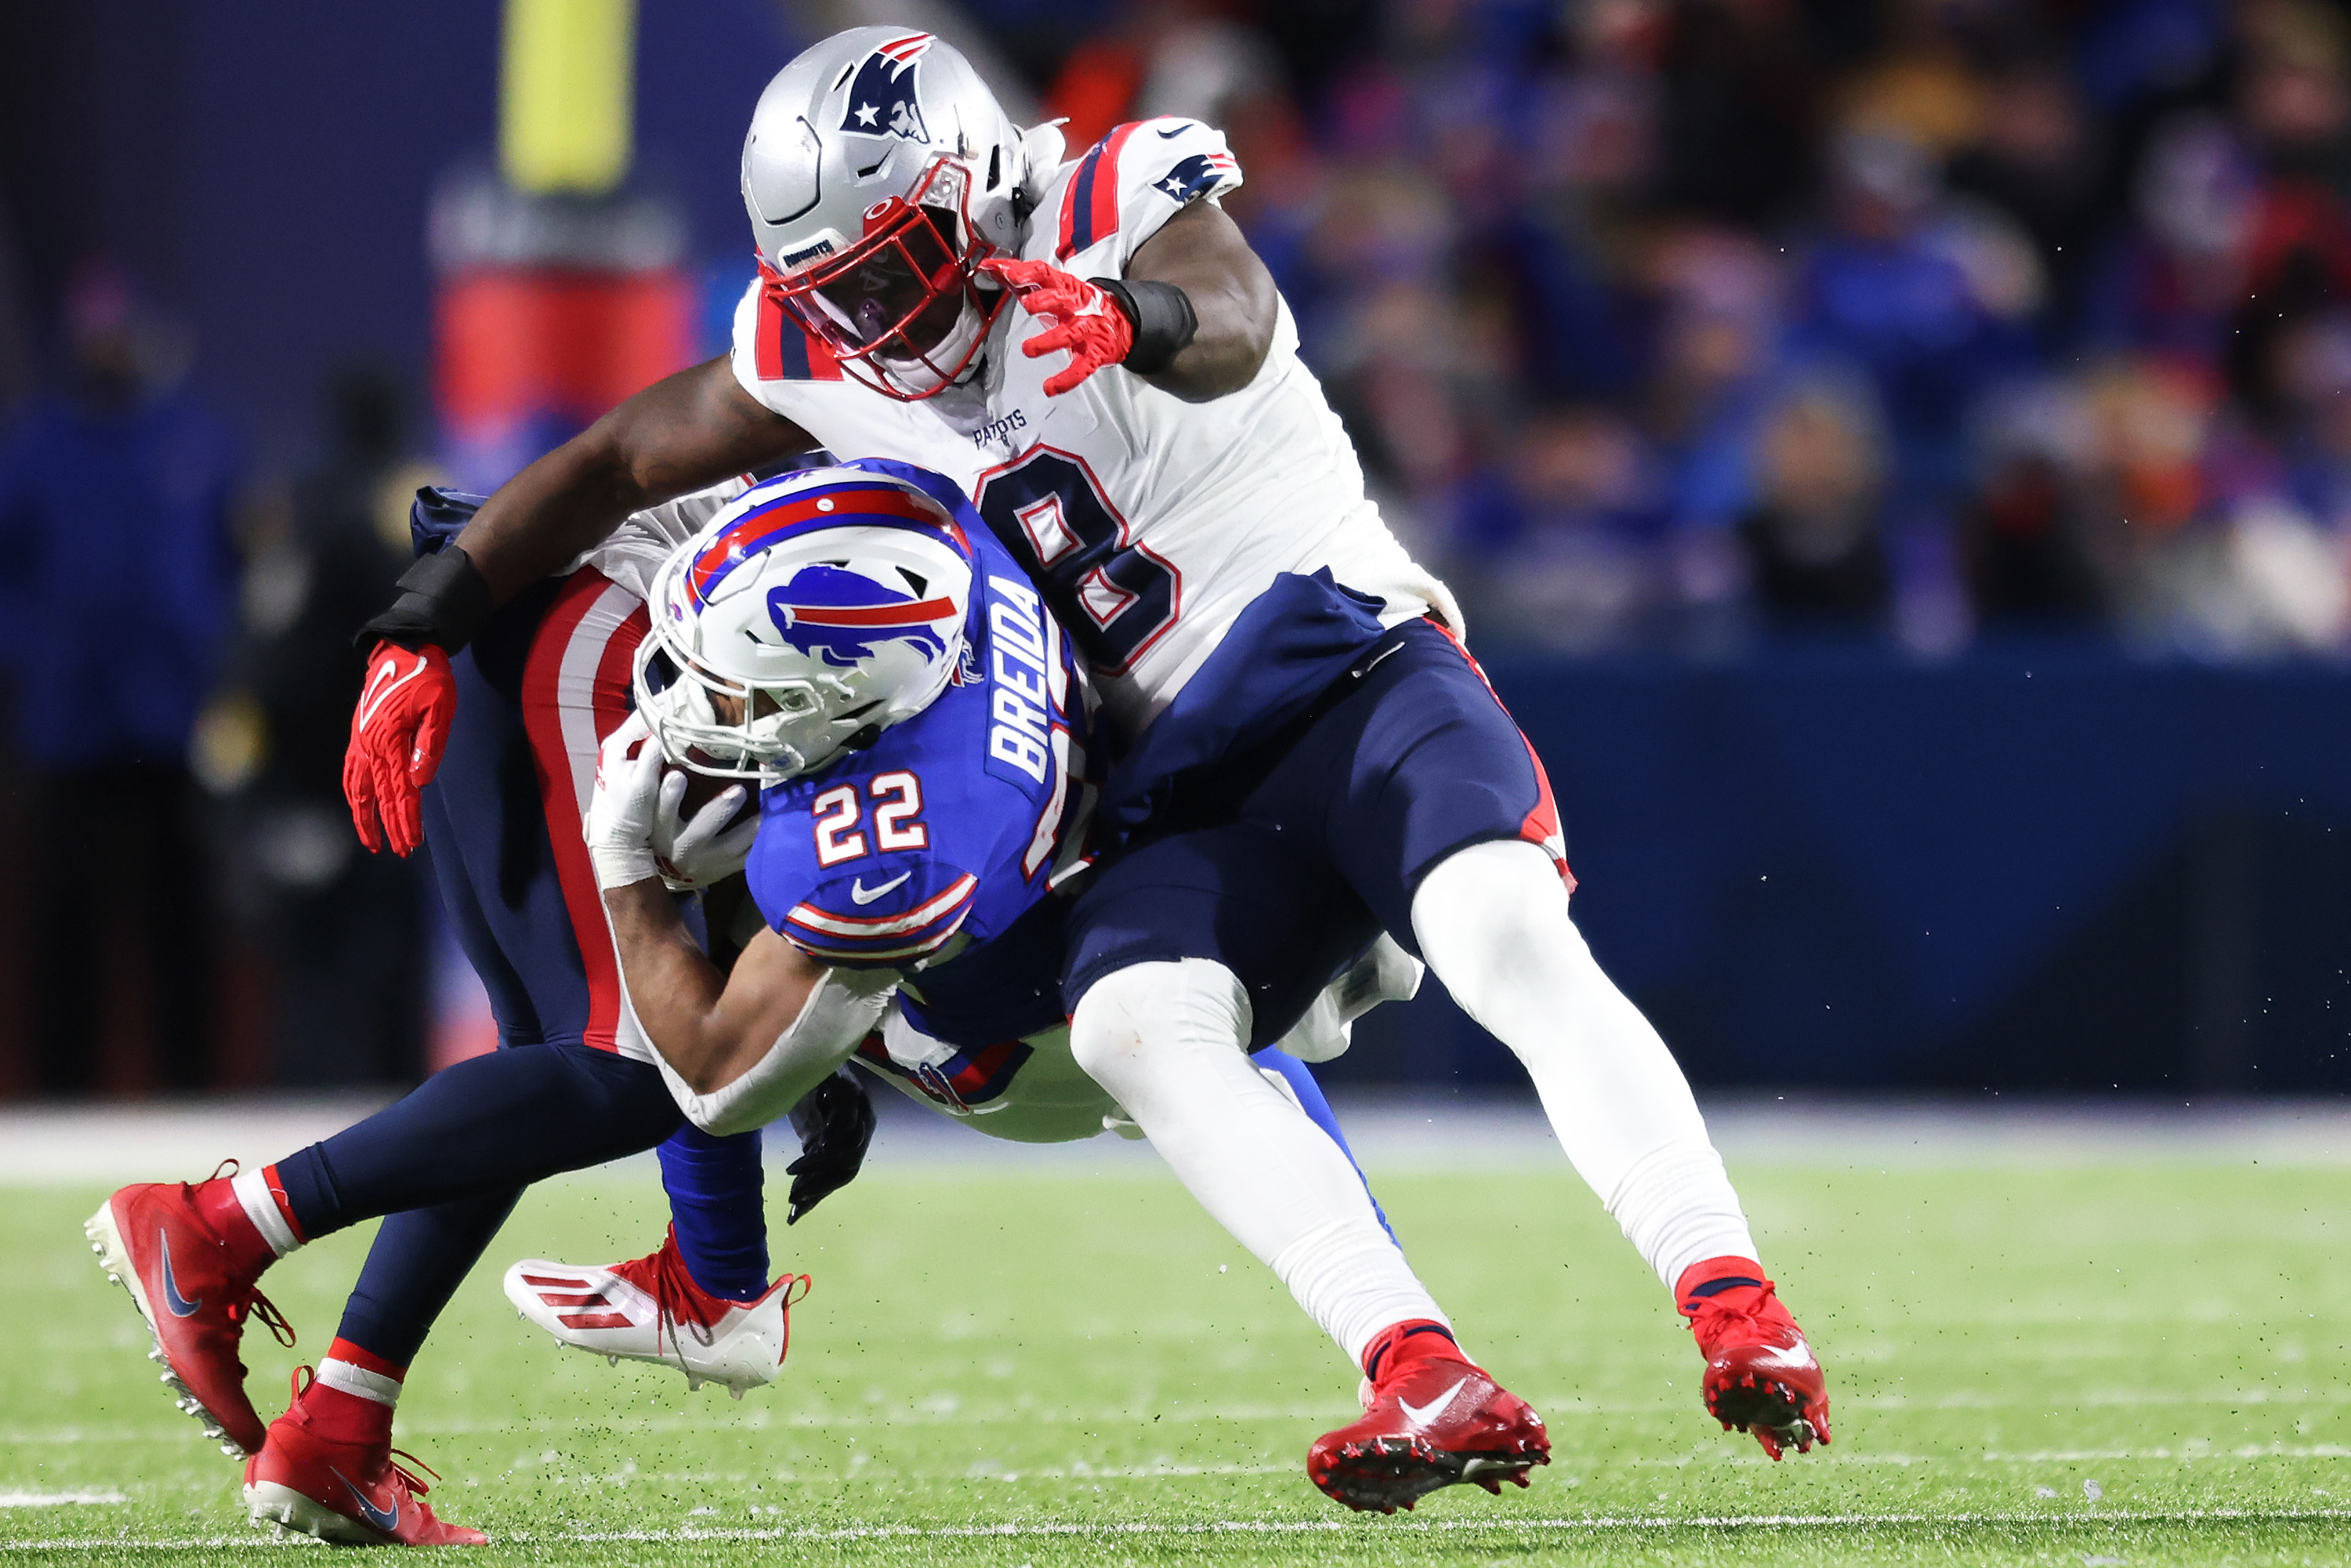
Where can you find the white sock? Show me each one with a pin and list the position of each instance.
(1493, 924)
(252, 1194)
(352, 1379)
(1167, 1041)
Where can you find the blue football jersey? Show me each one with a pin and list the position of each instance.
(933, 843)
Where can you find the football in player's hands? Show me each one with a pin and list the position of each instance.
(702, 830)
(701, 790)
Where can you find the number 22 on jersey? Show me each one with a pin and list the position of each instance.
(838, 816)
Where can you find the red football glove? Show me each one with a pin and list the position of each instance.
(398, 733)
(1091, 327)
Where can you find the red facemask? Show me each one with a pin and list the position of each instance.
(888, 306)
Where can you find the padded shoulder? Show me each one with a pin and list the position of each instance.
(1131, 181)
(890, 915)
(769, 347)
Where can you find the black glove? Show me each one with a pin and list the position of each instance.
(835, 1122)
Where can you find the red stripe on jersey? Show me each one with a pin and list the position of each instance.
(821, 365)
(782, 349)
(1090, 204)
(543, 703)
(867, 926)
(612, 700)
(1105, 191)
(1541, 827)
(766, 339)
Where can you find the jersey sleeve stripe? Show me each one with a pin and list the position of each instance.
(810, 917)
(784, 351)
(1089, 206)
(846, 950)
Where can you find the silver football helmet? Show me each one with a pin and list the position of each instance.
(879, 173)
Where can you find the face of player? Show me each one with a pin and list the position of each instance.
(913, 287)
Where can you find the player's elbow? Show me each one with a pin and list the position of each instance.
(708, 1071)
(1237, 317)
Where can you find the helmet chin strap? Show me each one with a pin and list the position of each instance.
(915, 376)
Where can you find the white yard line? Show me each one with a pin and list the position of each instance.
(59, 1498)
(181, 1140)
(1597, 1524)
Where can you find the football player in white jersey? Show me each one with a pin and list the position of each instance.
(1091, 348)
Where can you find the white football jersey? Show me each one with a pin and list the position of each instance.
(1151, 522)
(631, 553)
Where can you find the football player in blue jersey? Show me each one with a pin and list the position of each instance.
(1308, 731)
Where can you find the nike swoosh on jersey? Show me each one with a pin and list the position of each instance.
(1422, 1414)
(1170, 135)
(375, 700)
(859, 896)
(386, 1520)
(180, 1306)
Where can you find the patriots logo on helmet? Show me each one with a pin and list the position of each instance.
(841, 617)
(1194, 175)
(881, 100)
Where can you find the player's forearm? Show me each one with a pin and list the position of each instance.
(675, 989)
(1201, 251)
(682, 433)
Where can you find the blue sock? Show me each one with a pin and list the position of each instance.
(718, 1207)
(1318, 1110)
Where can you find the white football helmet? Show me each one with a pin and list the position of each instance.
(879, 173)
(828, 605)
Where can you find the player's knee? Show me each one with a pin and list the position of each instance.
(1501, 895)
(1147, 1012)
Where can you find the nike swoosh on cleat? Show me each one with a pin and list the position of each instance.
(1422, 1414)
(389, 1522)
(181, 1307)
(859, 895)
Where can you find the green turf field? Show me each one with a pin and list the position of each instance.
(2084, 1366)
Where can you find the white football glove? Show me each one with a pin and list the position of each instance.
(624, 809)
(694, 852)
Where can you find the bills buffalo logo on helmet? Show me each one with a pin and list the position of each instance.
(841, 617)
(881, 100)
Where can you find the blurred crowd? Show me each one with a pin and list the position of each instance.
(1672, 324)
(177, 679)
(1663, 326)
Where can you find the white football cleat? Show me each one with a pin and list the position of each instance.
(650, 1309)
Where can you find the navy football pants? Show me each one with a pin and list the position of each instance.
(1286, 862)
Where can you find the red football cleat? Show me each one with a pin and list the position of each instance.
(1760, 1375)
(1432, 1421)
(351, 1493)
(152, 1240)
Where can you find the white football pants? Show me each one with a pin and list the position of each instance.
(1165, 1040)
